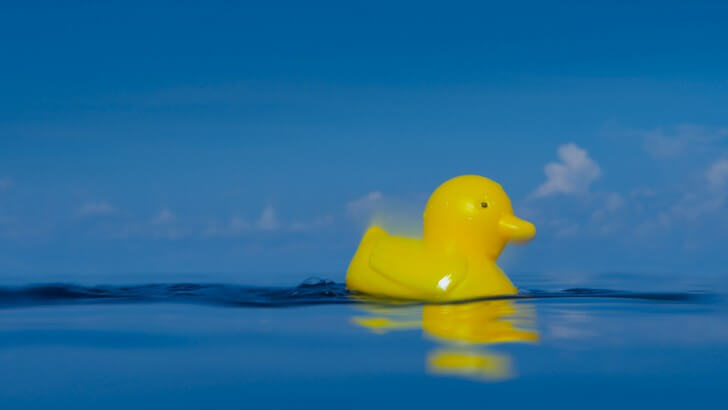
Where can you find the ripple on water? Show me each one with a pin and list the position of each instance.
(313, 291)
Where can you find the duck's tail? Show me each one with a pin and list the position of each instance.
(373, 234)
(360, 262)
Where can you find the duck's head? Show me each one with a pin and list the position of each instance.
(472, 214)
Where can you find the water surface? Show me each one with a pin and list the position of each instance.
(619, 343)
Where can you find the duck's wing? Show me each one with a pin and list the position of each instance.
(405, 261)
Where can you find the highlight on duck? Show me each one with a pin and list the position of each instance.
(468, 221)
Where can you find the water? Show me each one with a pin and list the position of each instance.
(614, 341)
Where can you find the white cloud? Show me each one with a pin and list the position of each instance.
(235, 226)
(365, 204)
(659, 145)
(690, 207)
(164, 225)
(717, 175)
(165, 216)
(238, 224)
(317, 223)
(676, 140)
(573, 174)
(268, 220)
(596, 211)
(5, 183)
(564, 228)
(96, 208)
(705, 199)
(610, 203)
(613, 201)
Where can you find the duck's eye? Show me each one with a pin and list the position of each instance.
(483, 204)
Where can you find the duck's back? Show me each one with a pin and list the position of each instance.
(401, 267)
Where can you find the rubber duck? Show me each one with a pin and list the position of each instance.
(468, 220)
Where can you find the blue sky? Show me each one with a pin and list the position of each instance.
(255, 140)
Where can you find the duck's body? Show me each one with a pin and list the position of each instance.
(400, 267)
(468, 221)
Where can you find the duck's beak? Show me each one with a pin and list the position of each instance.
(516, 229)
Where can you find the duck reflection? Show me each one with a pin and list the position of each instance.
(463, 332)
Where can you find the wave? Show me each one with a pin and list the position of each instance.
(311, 292)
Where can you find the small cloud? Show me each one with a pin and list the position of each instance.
(211, 230)
(705, 199)
(562, 228)
(610, 202)
(165, 216)
(268, 220)
(717, 175)
(659, 145)
(690, 207)
(568, 231)
(365, 204)
(235, 226)
(5, 183)
(313, 225)
(613, 202)
(96, 208)
(238, 224)
(164, 226)
(575, 172)
(674, 141)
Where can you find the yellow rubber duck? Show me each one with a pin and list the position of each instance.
(468, 221)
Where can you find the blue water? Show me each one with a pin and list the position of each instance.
(613, 341)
